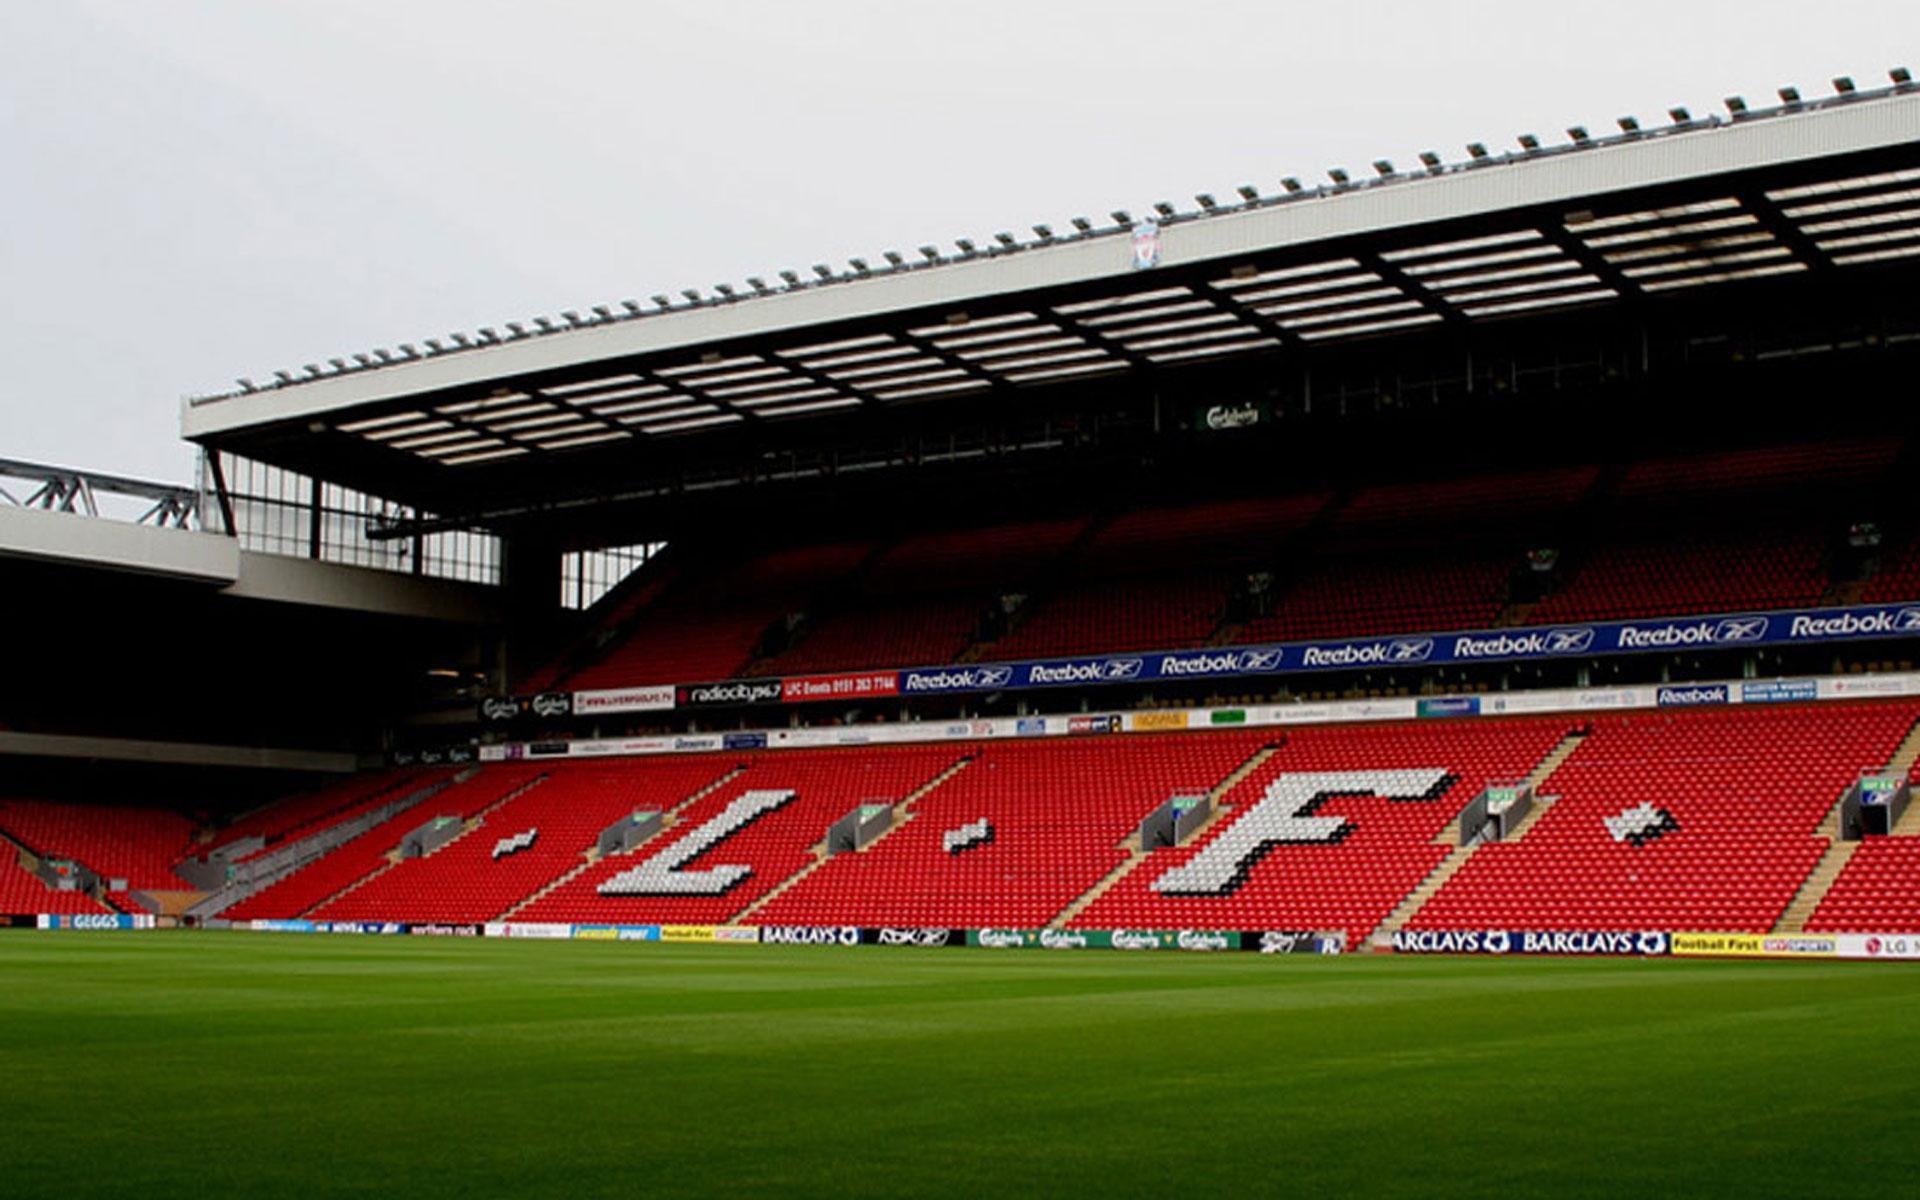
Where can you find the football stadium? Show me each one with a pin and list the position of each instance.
(1411, 673)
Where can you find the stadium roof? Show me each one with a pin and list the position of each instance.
(1629, 219)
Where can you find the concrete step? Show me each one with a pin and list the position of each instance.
(1815, 888)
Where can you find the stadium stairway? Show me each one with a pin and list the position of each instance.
(668, 820)
(1839, 853)
(393, 856)
(1457, 856)
(1136, 855)
(903, 812)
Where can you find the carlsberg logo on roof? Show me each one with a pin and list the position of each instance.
(1692, 633)
(1906, 620)
(1103, 671)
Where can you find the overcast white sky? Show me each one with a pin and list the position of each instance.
(191, 192)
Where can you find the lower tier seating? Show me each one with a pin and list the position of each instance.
(1057, 813)
(139, 845)
(1330, 832)
(1877, 892)
(299, 892)
(1675, 821)
(736, 844)
(22, 893)
(466, 881)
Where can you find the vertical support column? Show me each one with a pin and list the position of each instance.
(314, 494)
(529, 575)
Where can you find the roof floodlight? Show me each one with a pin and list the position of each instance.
(893, 259)
(1901, 76)
(1579, 135)
(407, 350)
(692, 295)
(758, 284)
(1844, 85)
(365, 360)
(1043, 232)
(1789, 95)
(661, 301)
(860, 266)
(1291, 184)
(930, 253)
(1006, 239)
(1680, 115)
(1164, 209)
(459, 339)
(1082, 225)
(1737, 105)
(1248, 192)
(632, 306)
(1529, 143)
(790, 278)
(603, 312)
(313, 369)
(570, 316)
(1338, 175)
(967, 249)
(384, 356)
(1382, 167)
(1430, 160)
(246, 385)
(1121, 217)
(545, 325)
(434, 346)
(725, 289)
(338, 364)
(1628, 124)
(1206, 201)
(487, 334)
(823, 270)
(283, 376)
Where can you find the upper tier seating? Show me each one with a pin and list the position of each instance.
(708, 627)
(464, 882)
(825, 786)
(1058, 812)
(1157, 579)
(1349, 872)
(923, 598)
(299, 892)
(1675, 821)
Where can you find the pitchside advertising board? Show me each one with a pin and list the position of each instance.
(1531, 941)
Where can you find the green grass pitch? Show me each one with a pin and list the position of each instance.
(202, 1065)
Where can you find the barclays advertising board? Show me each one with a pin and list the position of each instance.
(1473, 646)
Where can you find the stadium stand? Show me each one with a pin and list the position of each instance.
(1059, 813)
(116, 842)
(1707, 819)
(922, 599)
(1351, 874)
(827, 785)
(22, 892)
(313, 812)
(354, 861)
(710, 626)
(465, 880)
(1878, 890)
